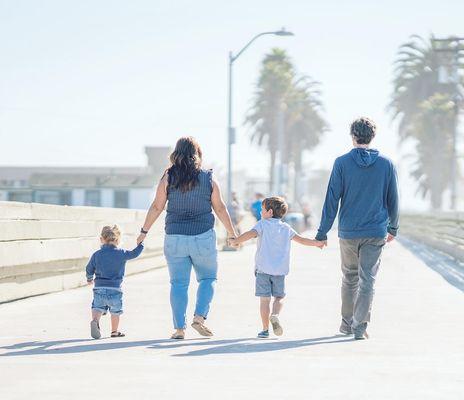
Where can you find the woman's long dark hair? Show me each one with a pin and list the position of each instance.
(185, 165)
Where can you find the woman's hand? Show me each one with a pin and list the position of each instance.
(141, 238)
(232, 241)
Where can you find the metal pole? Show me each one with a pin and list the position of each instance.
(454, 155)
(230, 134)
(280, 147)
(457, 99)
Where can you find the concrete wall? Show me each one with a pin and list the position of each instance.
(442, 230)
(45, 248)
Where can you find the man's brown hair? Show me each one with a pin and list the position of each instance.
(277, 204)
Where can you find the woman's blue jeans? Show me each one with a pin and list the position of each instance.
(182, 252)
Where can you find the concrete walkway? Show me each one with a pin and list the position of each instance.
(416, 350)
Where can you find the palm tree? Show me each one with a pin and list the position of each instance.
(433, 126)
(282, 95)
(272, 89)
(416, 78)
(420, 102)
(305, 124)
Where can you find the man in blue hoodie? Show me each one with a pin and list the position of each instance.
(364, 184)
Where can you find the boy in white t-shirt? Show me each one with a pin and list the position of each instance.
(272, 259)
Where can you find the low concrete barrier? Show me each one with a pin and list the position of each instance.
(443, 231)
(45, 248)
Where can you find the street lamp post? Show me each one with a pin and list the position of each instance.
(230, 128)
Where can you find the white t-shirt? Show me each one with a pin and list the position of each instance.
(273, 253)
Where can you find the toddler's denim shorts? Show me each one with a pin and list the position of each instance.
(107, 300)
(270, 285)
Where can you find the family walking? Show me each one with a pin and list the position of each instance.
(362, 190)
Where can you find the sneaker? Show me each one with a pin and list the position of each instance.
(263, 334)
(276, 327)
(345, 328)
(360, 332)
(361, 335)
(95, 329)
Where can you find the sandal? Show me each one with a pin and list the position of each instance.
(201, 329)
(178, 336)
(117, 334)
(95, 329)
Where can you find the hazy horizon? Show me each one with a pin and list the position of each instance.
(88, 83)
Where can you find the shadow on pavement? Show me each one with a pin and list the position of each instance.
(224, 346)
(261, 345)
(41, 348)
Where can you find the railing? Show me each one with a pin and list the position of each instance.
(45, 248)
(443, 231)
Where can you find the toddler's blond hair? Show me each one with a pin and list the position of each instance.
(111, 234)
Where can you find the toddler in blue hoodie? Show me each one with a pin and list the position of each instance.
(106, 270)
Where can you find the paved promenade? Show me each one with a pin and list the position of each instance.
(416, 350)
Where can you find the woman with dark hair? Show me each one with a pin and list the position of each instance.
(191, 193)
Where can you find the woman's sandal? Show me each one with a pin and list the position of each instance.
(201, 329)
(178, 336)
(117, 334)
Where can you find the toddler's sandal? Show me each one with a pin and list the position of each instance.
(95, 329)
(117, 334)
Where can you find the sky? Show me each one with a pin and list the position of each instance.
(93, 82)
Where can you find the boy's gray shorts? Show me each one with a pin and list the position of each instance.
(270, 285)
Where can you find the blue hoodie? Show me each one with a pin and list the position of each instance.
(109, 264)
(365, 184)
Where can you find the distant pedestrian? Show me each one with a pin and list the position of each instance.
(106, 270)
(256, 206)
(191, 194)
(307, 215)
(272, 259)
(236, 212)
(364, 184)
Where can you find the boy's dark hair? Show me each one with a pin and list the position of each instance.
(363, 130)
(277, 204)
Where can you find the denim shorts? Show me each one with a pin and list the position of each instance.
(107, 300)
(270, 285)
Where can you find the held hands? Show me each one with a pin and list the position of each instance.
(321, 243)
(232, 241)
(141, 238)
(90, 282)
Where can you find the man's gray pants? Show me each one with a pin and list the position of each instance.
(360, 263)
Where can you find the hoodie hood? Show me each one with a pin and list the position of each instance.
(364, 157)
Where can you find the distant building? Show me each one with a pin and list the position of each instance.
(120, 187)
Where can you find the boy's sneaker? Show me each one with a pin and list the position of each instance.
(95, 329)
(263, 334)
(276, 327)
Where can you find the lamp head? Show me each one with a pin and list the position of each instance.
(283, 32)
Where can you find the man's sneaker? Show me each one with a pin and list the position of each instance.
(361, 335)
(345, 328)
(95, 329)
(263, 334)
(360, 332)
(276, 327)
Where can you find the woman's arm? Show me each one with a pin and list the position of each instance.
(220, 209)
(156, 207)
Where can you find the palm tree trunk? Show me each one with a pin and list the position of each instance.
(272, 171)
